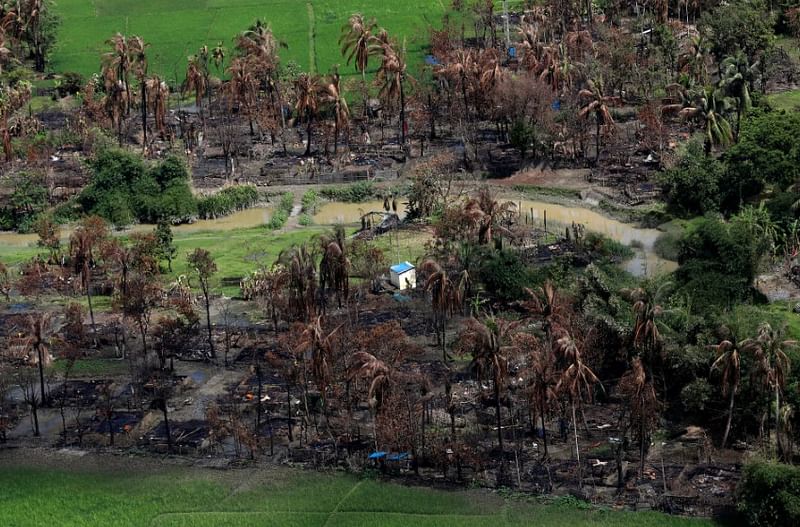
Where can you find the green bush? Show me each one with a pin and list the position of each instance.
(604, 246)
(769, 494)
(692, 187)
(305, 220)
(504, 275)
(355, 193)
(278, 219)
(310, 202)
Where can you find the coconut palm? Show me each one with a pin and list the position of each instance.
(728, 362)
(488, 341)
(576, 381)
(332, 94)
(736, 80)
(772, 364)
(708, 108)
(447, 296)
(597, 104)
(355, 42)
(694, 62)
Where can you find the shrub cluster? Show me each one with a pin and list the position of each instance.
(769, 494)
(123, 190)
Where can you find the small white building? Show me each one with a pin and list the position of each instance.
(403, 276)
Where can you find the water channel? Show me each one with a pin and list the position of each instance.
(558, 217)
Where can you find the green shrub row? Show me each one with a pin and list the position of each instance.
(354, 193)
(282, 211)
(227, 201)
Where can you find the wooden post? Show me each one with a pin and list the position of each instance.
(545, 220)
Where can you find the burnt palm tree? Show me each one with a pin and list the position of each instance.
(117, 65)
(138, 51)
(241, 90)
(195, 82)
(546, 303)
(302, 281)
(447, 296)
(307, 91)
(218, 56)
(576, 381)
(487, 214)
(541, 377)
(356, 47)
(158, 99)
(332, 94)
(597, 104)
(729, 363)
(334, 267)
(638, 388)
(83, 246)
(380, 377)
(316, 347)
(392, 76)
(489, 343)
(42, 328)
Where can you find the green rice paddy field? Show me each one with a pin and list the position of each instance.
(177, 28)
(273, 497)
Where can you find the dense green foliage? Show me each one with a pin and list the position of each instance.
(123, 190)
(718, 261)
(504, 275)
(227, 201)
(26, 202)
(692, 187)
(769, 495)
(767, 153)
(310, 202)
(744, 25)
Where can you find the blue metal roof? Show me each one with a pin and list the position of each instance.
(401, 267)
